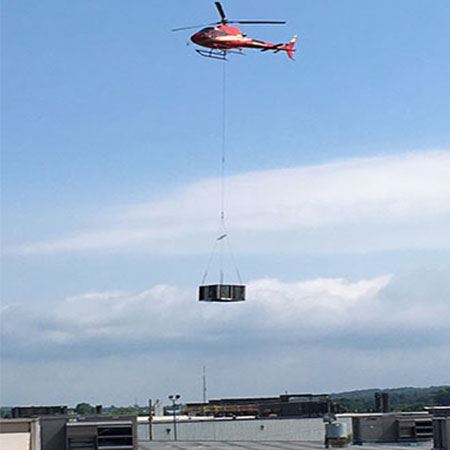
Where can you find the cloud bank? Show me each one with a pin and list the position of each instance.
(379, 203)
(383, 312)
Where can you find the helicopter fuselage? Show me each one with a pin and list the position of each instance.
(225, 37)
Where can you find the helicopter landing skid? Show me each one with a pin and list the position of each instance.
(217, 54)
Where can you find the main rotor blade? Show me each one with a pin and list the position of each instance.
(221, 11)
(194, 26)
(254, 22)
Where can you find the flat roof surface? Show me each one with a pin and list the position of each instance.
(263, 445)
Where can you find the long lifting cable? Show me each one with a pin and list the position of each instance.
(222, 238)
(222, 229)
(224, 129)
(222, 170)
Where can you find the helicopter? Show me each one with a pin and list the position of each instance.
(222, 39)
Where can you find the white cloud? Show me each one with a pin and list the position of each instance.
(379, 203)
(369, 312)
(322, 334)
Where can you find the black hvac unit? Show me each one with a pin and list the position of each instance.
(222, 293)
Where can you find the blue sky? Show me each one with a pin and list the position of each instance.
(338, 166)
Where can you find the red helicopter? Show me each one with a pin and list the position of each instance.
(222, 39)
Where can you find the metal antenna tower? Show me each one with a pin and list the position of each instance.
(204, 385)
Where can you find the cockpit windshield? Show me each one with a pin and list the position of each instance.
(212, 32)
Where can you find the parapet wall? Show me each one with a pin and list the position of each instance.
(292, 429)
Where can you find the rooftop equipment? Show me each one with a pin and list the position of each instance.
(385, 402)
(378, 407)
(222, 293)
(336, 434)
(392, 427)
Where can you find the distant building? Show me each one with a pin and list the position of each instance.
(20, 412)
(288, 405)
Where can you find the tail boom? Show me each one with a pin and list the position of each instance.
(289, 48)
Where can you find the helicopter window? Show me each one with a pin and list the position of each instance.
(206, 30)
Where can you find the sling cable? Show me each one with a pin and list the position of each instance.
(221, 251)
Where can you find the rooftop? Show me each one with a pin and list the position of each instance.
(264, 445)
